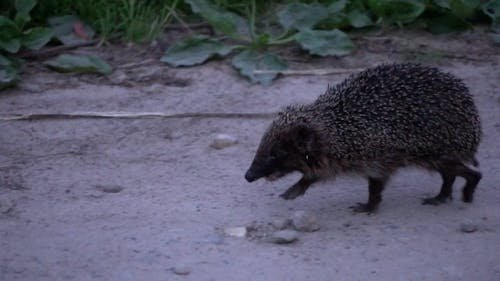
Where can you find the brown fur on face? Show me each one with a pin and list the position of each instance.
(290, 144)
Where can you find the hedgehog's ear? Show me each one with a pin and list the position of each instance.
(304, 138)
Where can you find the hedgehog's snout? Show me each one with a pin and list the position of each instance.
(258, 170)
(250, 176)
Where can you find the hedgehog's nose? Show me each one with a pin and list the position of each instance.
(250, 176)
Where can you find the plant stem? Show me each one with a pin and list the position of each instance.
(283, 41)
(252, 20)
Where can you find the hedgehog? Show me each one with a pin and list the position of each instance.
(373, 123)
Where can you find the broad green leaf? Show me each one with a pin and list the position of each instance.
(324, 43)
(464, 8)
(397, 11)
(194, 50)
(24, 7)
(337, 6)
(9, 76)
(4, 61)
(446, 23)
(64, 29)
(301, 16)
(249, 61)
(73, 63)
(8, 29)
(37, 37)
(223, 21)
(443, 3)
(492, 9)
(11, 46)
(21, 20)
(9, 34)
(359, 19)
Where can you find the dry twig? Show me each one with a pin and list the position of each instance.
(133, 115)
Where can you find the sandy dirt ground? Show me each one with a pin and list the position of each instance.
(133, 199)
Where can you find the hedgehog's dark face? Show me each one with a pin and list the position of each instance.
(282, 151)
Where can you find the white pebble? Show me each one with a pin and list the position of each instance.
(284, 236)
(223, 140)
(239, 231)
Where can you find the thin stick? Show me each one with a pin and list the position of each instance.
(184, 25)
(326, 71)
(133, 115)
(52, 51)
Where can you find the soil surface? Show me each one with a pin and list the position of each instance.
(150, 199)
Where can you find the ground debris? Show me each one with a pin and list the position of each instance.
(468, 227)
(305, 221)
(181, 270)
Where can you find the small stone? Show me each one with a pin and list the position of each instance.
(239, 231)
(110, 188)
(284, 236)
(468, 227)
(118, 77)
(280, 223)
(304, 221)
(181, 270)
(223, 140)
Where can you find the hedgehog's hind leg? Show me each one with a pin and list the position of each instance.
(449, 170)
(375, 188)
(444, 195)
(472, 178)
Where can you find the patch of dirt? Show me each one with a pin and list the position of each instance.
(130, 199)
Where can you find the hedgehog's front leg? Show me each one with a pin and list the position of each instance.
(298, 189)
(375, 188)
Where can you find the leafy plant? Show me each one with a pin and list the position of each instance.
(492, 9)
(14, 35)
(253, 44)
(81, 64)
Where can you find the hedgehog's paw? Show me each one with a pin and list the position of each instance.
(293, 192)
(366, 208)
(435, 201)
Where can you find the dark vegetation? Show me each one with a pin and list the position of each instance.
(246, 30)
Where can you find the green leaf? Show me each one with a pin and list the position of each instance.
(37, 37)
(21, 20)
(9, 33)
(337, 6)
(397, 11)
(194, 50)
(4, 61)
(301, 16)
(11, 46)
(324, 43)
(72, 63)
(9, 73)
(443, 3)
(64, 28)
(249, 61)
(359, 19)
(492, 9)
(464, 8)
(24, 7)
(223, 21)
